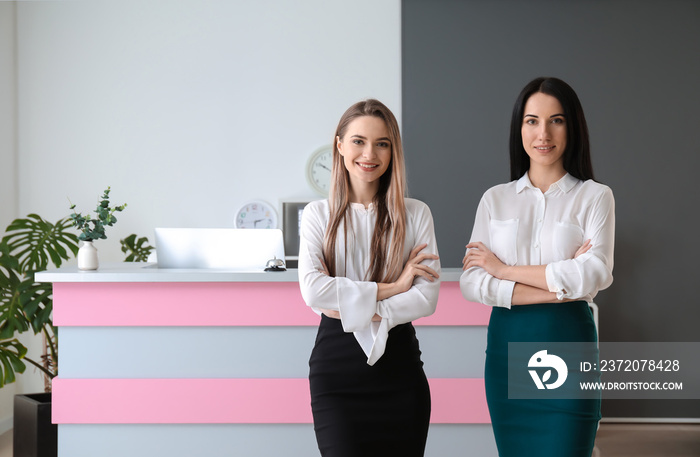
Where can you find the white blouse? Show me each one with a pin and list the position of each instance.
(523, 226)
(350, 292)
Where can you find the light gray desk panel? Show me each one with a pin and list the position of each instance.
(453, 352)
(238, 352)
(249, 440)
(211, 352)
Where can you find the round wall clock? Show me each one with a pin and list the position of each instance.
(256, 214)
(318, 169)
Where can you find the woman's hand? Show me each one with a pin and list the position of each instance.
(585, 247)
(414, 268)
(324, 268)
(478, 255)
(333, 314)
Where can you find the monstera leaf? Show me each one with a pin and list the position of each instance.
(11, 354)
(136, 250)
(12, 317)
(35, 242)
(29, 245)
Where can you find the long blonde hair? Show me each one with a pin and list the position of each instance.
(386, 250)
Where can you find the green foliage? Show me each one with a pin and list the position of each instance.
(94, 228)
(28, 246)
(136, 250)
(11, 354)
(36, 242)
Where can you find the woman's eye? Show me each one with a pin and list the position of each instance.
(557, 120)
(383, 144)
(530, 121)
(357, 141)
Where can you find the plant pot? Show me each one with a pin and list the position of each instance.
(34, 435)
(87, 256)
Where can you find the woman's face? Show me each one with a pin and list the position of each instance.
(544, 131)
(366, 150)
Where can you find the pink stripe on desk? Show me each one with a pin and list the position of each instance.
(234, 401)
(218, 304)
(453, 309)
(180, 304)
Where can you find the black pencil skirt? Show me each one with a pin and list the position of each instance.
(362, 410)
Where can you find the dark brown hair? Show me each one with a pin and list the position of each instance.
(577, 155)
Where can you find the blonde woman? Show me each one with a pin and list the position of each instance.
(368, 265)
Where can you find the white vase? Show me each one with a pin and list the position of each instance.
(87, 256)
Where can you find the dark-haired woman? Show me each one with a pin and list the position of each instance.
(368, 264)
(540, 250)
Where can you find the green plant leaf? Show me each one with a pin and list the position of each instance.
(36, 243)
(104, 217)
(37, 303)
(11, 354)
(136, 250)
(12, 317)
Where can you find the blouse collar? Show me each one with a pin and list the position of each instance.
(360, 206)
(566, 183)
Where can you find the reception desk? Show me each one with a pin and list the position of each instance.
(199, 362)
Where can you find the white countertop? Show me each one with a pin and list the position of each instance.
(149, 272)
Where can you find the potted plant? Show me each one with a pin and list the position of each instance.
(94, 229)
(28, 246)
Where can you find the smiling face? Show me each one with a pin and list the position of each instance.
(544, 132)
(366, 151)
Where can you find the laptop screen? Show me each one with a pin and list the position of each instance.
(227, 249)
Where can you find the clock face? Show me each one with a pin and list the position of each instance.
(256, 215)
(318, 169)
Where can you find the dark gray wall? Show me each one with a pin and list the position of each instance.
(636, 68)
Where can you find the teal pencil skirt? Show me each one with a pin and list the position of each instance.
(540, 427)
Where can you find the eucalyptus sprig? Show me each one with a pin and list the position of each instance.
(94, 228)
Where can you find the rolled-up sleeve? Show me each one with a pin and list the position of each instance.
(475, 283)
(590, 272)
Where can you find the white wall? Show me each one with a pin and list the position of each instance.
(8, 112)
(189, 109)
(8, 193)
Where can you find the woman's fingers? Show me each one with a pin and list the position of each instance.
(426, 272)
(474, 258)
(325, 268)
(585, 247)
(477, 245)
(474, 249)
(333, 314)
(416, 250)
(422, 257)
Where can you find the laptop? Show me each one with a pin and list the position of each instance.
(220, 249)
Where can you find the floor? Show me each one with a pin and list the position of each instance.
(613, 440)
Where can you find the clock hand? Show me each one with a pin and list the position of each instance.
(323, 166)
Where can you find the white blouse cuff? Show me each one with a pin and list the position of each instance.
(504, 296)
(552, 283)
(373, 340)
(357, 303)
